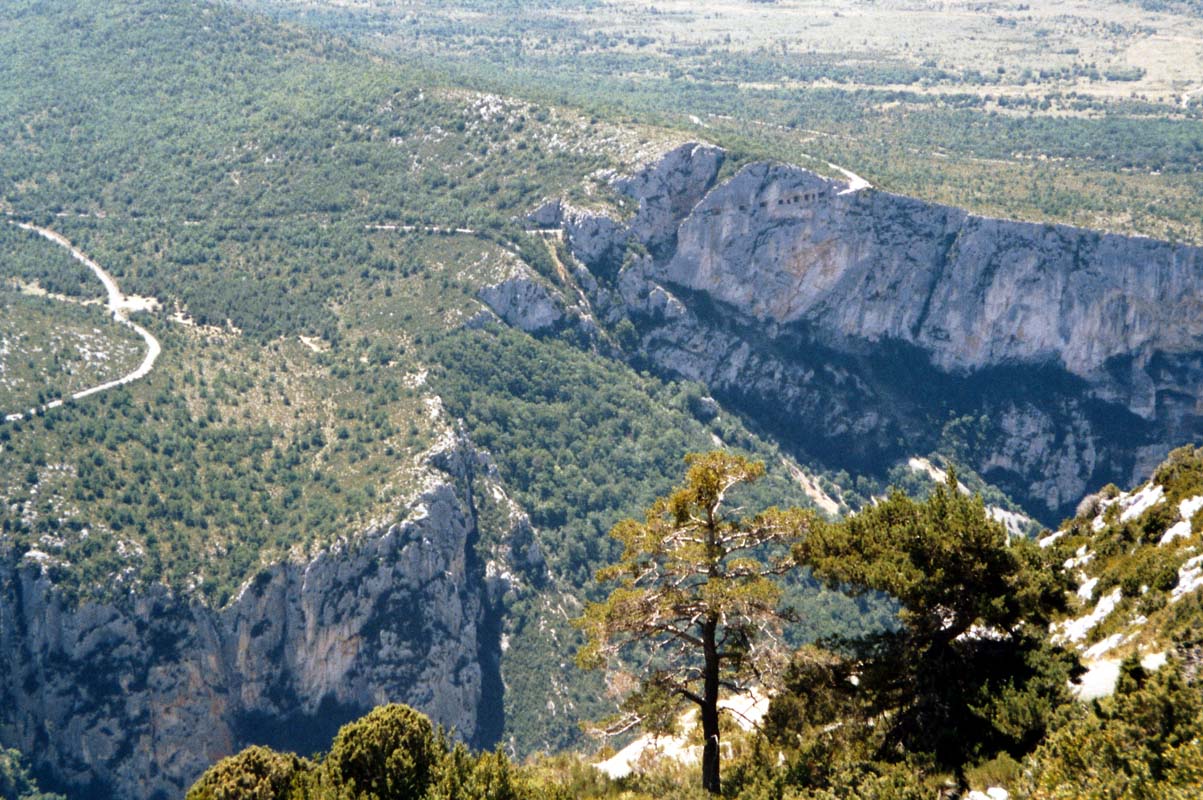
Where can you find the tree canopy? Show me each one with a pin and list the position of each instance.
(969, 670)
(694, 602)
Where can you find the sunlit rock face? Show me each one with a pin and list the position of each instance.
(135, 698)
(855, 322)
(783, 245)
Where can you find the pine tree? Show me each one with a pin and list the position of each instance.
(970, 669)
(695, 602)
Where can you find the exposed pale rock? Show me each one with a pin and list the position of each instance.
(1102, 646)
(524, 302)
(1190, 578)
(1099, 679)
(667, 191)
(780, 243)
(1186, 512)
(597, 239)
(134, 699)
(993, 793)
(1075, 630)
(1137, 504)
(548, 215)
(858, 314)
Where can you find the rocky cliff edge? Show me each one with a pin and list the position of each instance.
(856, 323)
(135, 699)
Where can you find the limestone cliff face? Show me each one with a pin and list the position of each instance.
(786, 246)
(856, 322)
(524, 302)
(134, 699)
(667, 191)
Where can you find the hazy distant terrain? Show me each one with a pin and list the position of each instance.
(1083, 112)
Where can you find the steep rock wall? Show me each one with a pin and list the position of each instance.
(854, 323)
(134, 699)
(786, 246)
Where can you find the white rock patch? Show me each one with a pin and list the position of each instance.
(1102, 675)
(1075, 630)
(1181, 529)
(924, 466)
(746, 709)
(1099, 680)
(1014, 522)
(1190, 577)
(1098, 649)
(1051, 539)
(993, 793)
(1081, 558)
(1149, 496)
(1133, 504)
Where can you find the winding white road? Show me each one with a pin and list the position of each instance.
(118, 305)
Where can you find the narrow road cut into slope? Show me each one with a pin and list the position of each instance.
(118, 305)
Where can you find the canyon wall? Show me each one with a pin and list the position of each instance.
(135, 698)
(854, 323)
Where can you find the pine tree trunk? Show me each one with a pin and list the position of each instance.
(710, 751)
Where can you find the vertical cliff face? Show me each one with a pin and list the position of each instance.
(136, 698)
(786, 246)
(855, 323)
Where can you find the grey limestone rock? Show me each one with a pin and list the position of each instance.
(667, 191)
(598, 239)
(782, 245)
(135, 698)
(524, 302)
(851, 310)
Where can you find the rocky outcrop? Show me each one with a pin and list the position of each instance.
(523, 302)
(598, 239)
(667, 191)
(134, 699)
(856, 322)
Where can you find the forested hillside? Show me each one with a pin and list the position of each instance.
(419, 356)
